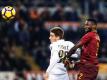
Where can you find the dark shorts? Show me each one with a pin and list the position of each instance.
(87, 72)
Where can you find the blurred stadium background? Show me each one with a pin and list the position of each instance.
(24, 52)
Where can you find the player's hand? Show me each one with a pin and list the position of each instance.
(66, 63)
(72, 51)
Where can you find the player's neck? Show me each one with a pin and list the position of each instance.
(94, 30)
(59, 40)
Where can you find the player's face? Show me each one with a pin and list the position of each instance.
(53, 38)
(88, 26)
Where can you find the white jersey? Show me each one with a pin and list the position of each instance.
(56, 51)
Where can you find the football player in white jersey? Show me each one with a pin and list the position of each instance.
(59, 48)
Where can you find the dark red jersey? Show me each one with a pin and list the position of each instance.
(90, 42)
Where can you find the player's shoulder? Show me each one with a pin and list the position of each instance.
(89, 34)
(54, 46)
(69, 42)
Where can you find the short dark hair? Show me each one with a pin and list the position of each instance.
(92, 20)
(58, 31)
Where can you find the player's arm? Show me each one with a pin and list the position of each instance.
(53, 61)
(73, 49)
(83, 41)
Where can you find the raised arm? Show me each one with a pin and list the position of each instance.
(73, 49)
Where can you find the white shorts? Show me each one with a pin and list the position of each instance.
(58, 77)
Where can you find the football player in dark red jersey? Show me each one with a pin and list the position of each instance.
(88, 66)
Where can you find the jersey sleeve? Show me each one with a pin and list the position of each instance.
(86, 38)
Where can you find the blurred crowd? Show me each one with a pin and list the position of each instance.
(28, 31)
(63, 10)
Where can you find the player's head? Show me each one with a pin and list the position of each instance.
(90, 24)
(56, 33)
